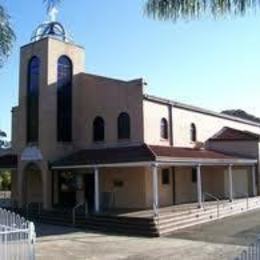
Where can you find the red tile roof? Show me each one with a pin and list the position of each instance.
(231, 134)
(181, 152)
(141, 153)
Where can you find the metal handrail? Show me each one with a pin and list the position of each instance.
(213, 197)
(247, 197)
(74, 211)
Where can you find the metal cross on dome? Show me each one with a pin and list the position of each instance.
(52, 9)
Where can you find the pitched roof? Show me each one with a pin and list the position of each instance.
(140, 153)
(231, 134)
(182, 152)
(8, 161)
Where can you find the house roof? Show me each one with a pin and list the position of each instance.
(8, 161)
(143, 154)
(231, 134)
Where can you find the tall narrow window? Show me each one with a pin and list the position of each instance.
(64, 100)
(124, 126)
(98, 129)
(33, 100)
(193, 132)
(164, 129)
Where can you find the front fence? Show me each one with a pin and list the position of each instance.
(251, 253)
(17, 237)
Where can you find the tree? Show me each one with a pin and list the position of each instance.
(5, 180)
(7, 35)
(190, 9)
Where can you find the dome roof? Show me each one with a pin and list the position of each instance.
(52, 28)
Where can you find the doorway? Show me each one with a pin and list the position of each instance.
(67, 190)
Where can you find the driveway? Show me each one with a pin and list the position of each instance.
(222, 239)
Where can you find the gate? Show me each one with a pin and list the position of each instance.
(17, 237)
(251, 253)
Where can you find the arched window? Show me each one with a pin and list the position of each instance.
(124, 126)
(64, 100)
(193, 132)
(33, 83)
(98, 129)
(164, 128)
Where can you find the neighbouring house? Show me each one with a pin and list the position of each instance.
(78, 137)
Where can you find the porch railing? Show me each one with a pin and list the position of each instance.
(17, 237)
(247, 197)
(206, 194)
(251, 253)
(74, 210)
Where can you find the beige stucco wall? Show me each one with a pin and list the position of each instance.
(242, 181)
(132, 193)
(165, 191)
(153, 114)
(98, 96)
(207, 125)
(186, 191)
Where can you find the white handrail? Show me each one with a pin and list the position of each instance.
(74, 211)
(213, 197)
(247, 197)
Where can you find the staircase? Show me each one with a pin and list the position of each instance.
(169, 222)
(170, 219)
(102, 223)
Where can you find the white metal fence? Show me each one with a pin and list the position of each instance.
(251, 253)
(17, 237)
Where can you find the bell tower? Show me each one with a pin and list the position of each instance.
(40, 84)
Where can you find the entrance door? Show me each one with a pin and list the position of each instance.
(90, 191)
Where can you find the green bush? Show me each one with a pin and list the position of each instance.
(5, 180)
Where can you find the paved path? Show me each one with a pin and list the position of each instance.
(223, 239)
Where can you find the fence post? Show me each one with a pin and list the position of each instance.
(32, 240)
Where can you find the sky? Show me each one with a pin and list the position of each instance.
(209, 63)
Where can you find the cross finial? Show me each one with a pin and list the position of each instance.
(52, 13)
(52, 9)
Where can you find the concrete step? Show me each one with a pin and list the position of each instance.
(172, 227)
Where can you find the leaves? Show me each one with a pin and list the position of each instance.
(7, 35)
(192, 9)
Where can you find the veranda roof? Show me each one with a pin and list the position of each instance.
(146, 154)
(231, 134)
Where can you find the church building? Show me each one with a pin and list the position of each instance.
(84, 140)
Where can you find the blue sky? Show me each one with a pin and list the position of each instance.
(213, 64)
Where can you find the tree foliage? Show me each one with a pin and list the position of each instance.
(192, 9)
(7, 35)
(5, 181)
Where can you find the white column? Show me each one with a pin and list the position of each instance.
(155, 189)
(254, 181)
(230, 182)
(199, 186)
(97, 202)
